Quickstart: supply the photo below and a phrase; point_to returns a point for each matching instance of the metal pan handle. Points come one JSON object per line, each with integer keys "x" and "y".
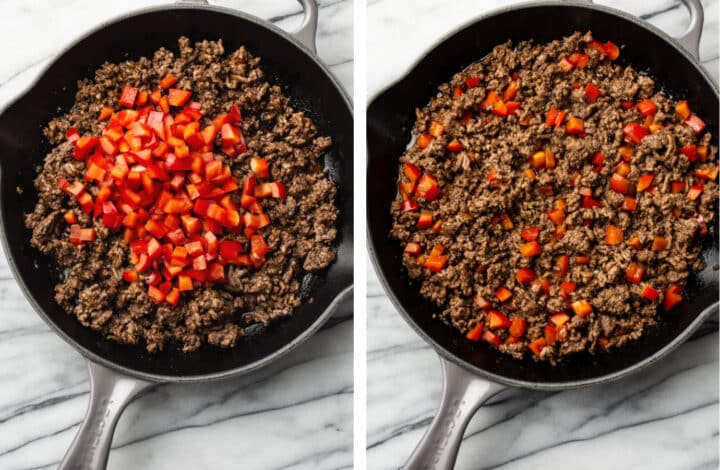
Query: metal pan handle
{"x": 110, "y": 393}
{"x": 305, "y": 33}
{"x": 463, "y": 393}
{"x": 690, "y": 39}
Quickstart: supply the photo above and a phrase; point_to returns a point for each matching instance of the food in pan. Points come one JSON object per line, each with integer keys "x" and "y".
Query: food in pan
{"x": 555, "y": 200}
{"x": 184, "y": 199}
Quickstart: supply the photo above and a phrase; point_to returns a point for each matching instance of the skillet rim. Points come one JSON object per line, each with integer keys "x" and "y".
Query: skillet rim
{"x": 87, "y": 354}
{"x": 439, "y": 349}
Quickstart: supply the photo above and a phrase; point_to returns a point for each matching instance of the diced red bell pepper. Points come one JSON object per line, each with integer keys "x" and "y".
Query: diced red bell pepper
{"x": 525, "y": 275}
{"x": 613, "y": 235}
{"x": 575, "y": 126}
{"x": 660, "y": 243}
{"x": 588, "y": 202}
{"x": 413, "y": 248}
{"x": 556, "y": 216}
{"x": 472, "y": 82}
{"x": 530, "y": 233}
{"x": 672, "y": 297}
{"x": 168, "y": 81}
{"x": 694, "y": 192}
{"x": 481, "y": 302}
{"x": 517, "y": 327}
{"x": 425, "y": 220}
{"x": 530, "y": 249}
{"x": 559, "y": 319}
{"x": 455, "y": 146}
{"x": 84, "y": 146}
{"x": 646, "y": 107}
{"x": 619, "y": 184}
{"x": 496, "y": 319}
{"x": 683, "y": 109}
{"x": 612, "y": 50}
{"x": 490, "y": 101}
{"x": 503, "y": 293}
{"x": 581, "y": 308}
{"x": 649, "y": 293}
{"x": 706, "y": 173}
{"x": 475, "y": 333}
{"x": 629, "y": 204}
{"x": 695, "y": 123}
{"x": 436, "y": 129}
{"x": 561, "y": 266}
{"x": 424, "y": 140}
{"x": 634, "y": 273}
{"x": 411, "y": 171}
{"x": 491, "y": 338}
{"x": 592, "y": 93}
{"x": 178, "y": 97}
{"x": 428, "y": 187}
{"x": 565, "y": 65}
{"x": 127, "y": 97}
{"x": 644, "y": 182}
{"x": 157, "y": 295}
{"x": 435, "y": 263}
{"x": 550, "y": 335}
{"x": 537, "y": 346}
{"x": 634, "y": 133}
{"x": 79, "y": 235}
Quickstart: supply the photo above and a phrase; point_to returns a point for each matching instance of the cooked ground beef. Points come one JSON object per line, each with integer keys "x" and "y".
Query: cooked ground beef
{"x": 300, "y": 236}
{"x": 489, "y": 194}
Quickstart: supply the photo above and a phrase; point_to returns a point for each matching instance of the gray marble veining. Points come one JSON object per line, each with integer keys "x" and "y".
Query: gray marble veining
{"x": 296, "y": 414}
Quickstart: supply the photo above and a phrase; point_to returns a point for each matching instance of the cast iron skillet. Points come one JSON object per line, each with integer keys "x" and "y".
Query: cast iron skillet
{"x": 119, "y": 372}
{"x": 474, "y": 372}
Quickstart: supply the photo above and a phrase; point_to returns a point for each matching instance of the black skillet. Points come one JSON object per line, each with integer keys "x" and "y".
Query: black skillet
{"x": 119, "y": 373}
{"x": 474, "y": 372}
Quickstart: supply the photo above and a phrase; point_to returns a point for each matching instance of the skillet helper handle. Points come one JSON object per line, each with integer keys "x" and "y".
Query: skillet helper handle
{"x": 110, "y": 393}
{"x": 690, "y": 39}
{"x": 463, "y": 393}
{"x": 305, "y": 33}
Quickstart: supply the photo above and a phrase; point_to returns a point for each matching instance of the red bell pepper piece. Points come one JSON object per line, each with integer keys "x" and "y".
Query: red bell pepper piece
{"x": 634, "y": 133}
{"x": 646, "y": 107}
{"x": 525, "y": 276}
{"x": 428, "y": 187}
{"x": 592, "y": 93}
{"x": 177, "y": 97}
{"x": 695, "y": 123}
{"x": 127, "y": 96}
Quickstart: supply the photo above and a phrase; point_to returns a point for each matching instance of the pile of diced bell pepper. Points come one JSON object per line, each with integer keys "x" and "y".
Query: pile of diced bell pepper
{"x": 159, "y": 180}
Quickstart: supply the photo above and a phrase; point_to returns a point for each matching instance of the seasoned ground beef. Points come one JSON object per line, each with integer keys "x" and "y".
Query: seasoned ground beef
{"x": 300, "y": 236}
{"x": 513, "y": 169}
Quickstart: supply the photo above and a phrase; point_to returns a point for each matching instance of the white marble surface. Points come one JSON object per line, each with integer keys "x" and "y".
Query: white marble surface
{"x": 665, "y": 417}
{"x": 297, "y": 414}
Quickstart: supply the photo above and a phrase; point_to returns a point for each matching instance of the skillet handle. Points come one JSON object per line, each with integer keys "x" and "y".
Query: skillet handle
{"x": 463, "y": 393}
{"x": 110, "y": 393}
{"x": 305, "y": 33}
{"x": 690, "y": 39}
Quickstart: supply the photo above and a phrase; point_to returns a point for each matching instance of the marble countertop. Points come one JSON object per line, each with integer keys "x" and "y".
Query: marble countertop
{"x": 665, "y": 417}
{"x": 296, "y": 414}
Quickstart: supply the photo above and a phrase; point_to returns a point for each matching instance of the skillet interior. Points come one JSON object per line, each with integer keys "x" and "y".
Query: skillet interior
{"x": 23, "y": 147}
{"x": 390, "y": 120}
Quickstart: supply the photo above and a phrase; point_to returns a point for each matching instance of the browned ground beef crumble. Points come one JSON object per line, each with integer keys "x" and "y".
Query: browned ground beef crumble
{"x": 484, "y": 256}
{"x": 300, "y": 236}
